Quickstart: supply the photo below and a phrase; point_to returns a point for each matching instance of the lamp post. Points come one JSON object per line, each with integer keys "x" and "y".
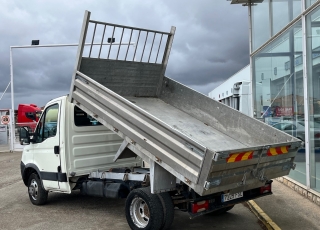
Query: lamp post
{"x": 12, "y": 124}
{"x": 35, "y": 44}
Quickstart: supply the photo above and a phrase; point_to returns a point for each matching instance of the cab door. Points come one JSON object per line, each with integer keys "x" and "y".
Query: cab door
{"x": 46, "y": 147}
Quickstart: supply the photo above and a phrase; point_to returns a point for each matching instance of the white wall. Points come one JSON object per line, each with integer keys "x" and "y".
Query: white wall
{"x": 225, "y": 89}
{"x": 225, "y": 92}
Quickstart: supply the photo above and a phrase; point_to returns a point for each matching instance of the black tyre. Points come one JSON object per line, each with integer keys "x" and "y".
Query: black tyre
{"x": 37, "y": 195}
{"x": 144, "y": 210}
{"x": 168, "y": 210}
{"x": 221, "y": 211}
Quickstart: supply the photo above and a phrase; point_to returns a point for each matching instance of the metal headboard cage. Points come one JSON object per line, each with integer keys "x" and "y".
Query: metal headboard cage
{"x": 119, "y": 42}
{"x": 131, "y": 55}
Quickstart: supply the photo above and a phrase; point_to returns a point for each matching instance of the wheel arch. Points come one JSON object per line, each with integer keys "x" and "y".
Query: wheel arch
{"x": 28, "y": 170}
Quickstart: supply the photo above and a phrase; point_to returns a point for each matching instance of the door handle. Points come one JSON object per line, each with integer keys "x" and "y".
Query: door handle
{"x": 56, "y": 149}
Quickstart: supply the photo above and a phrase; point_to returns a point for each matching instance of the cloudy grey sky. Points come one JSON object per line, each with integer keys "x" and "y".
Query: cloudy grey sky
{"x": 210, "y": 44}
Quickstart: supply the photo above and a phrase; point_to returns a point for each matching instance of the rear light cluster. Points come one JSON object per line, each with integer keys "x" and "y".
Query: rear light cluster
{"x": 200, "y": 206}
{"x": 203, "y": 205}
{"x": 265, "y": 189}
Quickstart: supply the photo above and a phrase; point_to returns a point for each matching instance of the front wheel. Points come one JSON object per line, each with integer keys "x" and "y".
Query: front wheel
{"x": 144, "y": 210}
{"x": 37, "y": 195}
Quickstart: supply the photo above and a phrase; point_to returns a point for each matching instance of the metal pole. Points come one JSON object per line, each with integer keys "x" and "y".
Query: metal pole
{"x": 271, "y": 18}
{"x": 134, "y": 46}
{"x": 166, "y": 58}
{"x": 5, "y": 91}
{"x": 306, "y": 72}
{"x": 252, "y": 86}
{"x": 307, "y": 88}
{"x": 12, "y": 125}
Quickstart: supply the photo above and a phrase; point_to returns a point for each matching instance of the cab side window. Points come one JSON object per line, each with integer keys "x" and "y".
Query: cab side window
{"x": 47, "y": 125}
{"x": 81, "y": 118}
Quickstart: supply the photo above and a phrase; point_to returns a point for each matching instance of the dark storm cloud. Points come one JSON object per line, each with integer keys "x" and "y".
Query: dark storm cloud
{"x": 210, "y": 44}
{"x": 55, "y": 72}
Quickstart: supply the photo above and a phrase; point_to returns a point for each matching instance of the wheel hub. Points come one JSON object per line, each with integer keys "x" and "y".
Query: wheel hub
{"x": 33, "y": 189}
{"x": 139, "y": 212}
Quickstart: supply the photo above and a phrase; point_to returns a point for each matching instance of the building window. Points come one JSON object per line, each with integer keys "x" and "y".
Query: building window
{"x": 309, "y": 3}
{"x": 260, "y": 24}
{"x": 313, "y": 69}
{"x": 278, "y": 88}
{"x": 270, "y": 16}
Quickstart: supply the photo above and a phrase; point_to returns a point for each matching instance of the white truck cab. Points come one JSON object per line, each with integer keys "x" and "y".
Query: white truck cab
{"x": 68, "y": 143}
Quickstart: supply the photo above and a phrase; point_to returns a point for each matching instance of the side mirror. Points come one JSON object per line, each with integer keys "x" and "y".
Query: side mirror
{"x": 24, "y": 136}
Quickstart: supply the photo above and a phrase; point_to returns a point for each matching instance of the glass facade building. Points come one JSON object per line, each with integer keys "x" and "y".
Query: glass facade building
{"x": 285, "y": 74}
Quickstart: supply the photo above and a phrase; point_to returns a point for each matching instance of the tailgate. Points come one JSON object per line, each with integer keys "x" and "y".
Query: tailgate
{"x": 244, "y": 169}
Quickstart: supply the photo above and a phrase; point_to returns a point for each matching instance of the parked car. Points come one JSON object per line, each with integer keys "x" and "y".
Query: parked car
{"x": 297, "y": 129}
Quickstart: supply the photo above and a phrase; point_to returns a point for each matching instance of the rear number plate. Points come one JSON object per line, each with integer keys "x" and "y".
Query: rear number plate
{"x": 228, "y": 197}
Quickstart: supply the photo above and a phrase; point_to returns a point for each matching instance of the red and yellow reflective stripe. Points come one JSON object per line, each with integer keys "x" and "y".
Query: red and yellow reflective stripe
{"x": 234, "y": 157}
{"x": 278, "y": 150}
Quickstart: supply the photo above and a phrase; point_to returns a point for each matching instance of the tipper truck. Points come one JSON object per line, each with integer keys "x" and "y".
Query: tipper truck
{"x": 126, "y": 130}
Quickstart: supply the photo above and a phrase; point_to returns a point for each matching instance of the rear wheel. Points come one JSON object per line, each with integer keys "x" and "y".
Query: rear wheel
{"x": 37, "y": 195}
{"x": 168, "y": 210}
{"x": 144, "y": 210}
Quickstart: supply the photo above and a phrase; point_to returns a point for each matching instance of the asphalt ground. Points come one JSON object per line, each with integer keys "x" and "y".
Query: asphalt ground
{"x": 4, "y": 148}
{"x": 290, "y": 210}
{"x": 74, "y": 211}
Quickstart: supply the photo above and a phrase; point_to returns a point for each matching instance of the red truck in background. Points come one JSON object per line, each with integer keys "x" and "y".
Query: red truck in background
{"x": 28, "y": 115}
